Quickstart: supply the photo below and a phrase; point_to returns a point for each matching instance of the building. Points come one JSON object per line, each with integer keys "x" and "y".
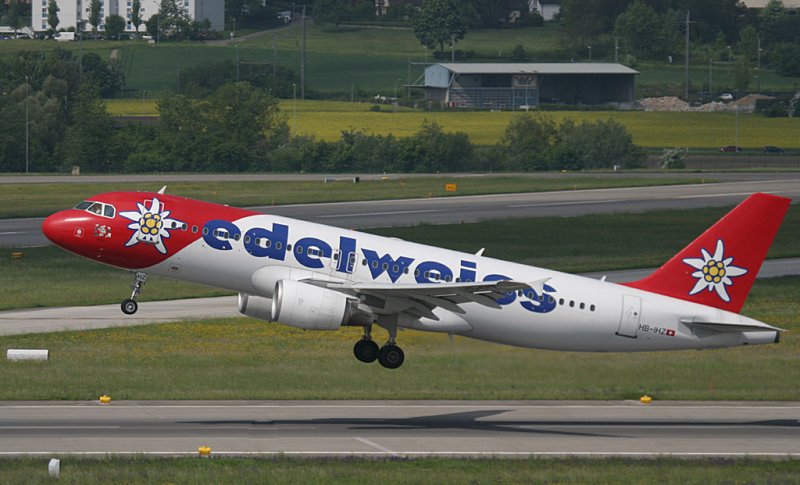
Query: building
{"x": 548, "y": 9}
{"x": 515, "y": 85}
{"x": 75, "y": 12}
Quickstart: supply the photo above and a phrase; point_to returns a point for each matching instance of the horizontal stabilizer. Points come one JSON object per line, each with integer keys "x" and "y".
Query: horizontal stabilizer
{"x": 730, "y": 327}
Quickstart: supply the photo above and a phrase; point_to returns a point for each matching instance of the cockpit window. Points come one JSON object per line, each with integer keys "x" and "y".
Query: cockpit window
{"x": 96, "y": 208}
{"x": 99, "y": 208}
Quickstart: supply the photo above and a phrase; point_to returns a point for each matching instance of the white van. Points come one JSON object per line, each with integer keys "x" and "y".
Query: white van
{"x": 65, "y": 36}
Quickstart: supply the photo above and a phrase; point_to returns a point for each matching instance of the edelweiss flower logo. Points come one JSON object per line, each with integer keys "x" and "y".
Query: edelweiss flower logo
{"x": 150, "y": 225}
{"x": 715, "y": 272}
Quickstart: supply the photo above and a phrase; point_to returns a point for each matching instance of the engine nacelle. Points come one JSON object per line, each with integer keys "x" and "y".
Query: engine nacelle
{"x": 309, "y": 307}
{"x": 255, "y": 306}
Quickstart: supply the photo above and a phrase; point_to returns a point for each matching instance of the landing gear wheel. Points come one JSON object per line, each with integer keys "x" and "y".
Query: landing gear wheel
{"x": 391, "y": 356}
{"x": 129, "y": 306}
{"x": 366, "y": 350}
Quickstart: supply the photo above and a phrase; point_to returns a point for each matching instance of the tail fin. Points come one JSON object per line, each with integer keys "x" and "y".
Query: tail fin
{"x": 718, "y": 268}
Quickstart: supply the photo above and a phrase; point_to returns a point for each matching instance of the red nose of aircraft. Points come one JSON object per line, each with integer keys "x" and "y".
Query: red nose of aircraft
{"x": 56, "y": 228}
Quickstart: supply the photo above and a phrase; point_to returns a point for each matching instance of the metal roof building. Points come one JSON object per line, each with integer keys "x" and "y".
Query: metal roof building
{"x": 515, "y": 85}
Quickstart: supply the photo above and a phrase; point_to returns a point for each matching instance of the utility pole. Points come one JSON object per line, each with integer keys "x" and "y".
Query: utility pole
{"x": 710, "y": 81}
{"x": 237, "y": 63}
{"x": 616, "y": 49}
{"x": 758, "y": 65}
{"x": 303, "y": 55}
{"x": 27, "y": 91}
{"x": 686, "y": 62}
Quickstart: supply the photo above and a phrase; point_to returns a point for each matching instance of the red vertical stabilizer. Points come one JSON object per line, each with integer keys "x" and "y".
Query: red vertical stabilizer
{"x": 719, "y": 267}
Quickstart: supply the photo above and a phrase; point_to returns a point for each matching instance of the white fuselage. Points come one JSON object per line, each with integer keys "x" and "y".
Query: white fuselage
{"x": 572, "y": 313}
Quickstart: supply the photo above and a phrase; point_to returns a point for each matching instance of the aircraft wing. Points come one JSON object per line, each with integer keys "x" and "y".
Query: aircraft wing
{"x": 419, "y": 300}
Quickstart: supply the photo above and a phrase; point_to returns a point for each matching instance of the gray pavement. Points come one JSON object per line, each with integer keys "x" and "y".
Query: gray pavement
{"x": 42, "y": 320}
{"x": 444, "y": 210}
{"x": 404, "y": 428}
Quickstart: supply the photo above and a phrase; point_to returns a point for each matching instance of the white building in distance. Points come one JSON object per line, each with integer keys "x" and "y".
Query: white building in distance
{"x": 74, "y": 11}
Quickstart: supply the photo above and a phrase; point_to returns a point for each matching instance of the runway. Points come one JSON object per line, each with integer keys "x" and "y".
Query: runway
{"x": 444, "y": 210}
{"x": 41, "y": 320}
{"x": 404, "y": 428}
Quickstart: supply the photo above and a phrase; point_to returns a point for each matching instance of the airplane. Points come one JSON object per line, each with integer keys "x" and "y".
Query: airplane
{"x": 318, "y": 277}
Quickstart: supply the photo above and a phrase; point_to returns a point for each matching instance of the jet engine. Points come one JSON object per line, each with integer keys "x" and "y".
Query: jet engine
{"x": 255, "y": 306}
{"x": 310, "y": 307}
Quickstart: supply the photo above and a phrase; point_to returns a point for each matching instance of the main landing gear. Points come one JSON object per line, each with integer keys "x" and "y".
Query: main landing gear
{"x": 129, "y": 305}
{"x": 389, "y": 356}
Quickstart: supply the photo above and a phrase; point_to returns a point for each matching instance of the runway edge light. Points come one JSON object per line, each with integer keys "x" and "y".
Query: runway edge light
{"x": 204, "y": 451}
{"x": 645, "y": 399}
{"x": 105, "y": 399}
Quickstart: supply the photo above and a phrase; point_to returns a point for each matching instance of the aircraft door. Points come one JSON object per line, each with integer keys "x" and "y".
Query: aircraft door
{"x": 343, "y": 263}
{"x": 631, "y": 314}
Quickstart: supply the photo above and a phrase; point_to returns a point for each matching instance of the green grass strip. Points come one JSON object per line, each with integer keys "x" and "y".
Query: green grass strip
{"x": 380, "y": 471}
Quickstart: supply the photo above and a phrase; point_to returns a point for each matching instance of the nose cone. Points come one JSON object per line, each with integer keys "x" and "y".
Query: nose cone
{"x": 56, "y": 229}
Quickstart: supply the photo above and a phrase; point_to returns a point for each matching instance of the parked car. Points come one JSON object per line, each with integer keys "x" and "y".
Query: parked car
{"x": 285, "y": 16}
{"x": 773, "y": 149}
{"x": 726, "y": 97}
{"x": 65, "y": 37}
{"x": 731, "y": 149}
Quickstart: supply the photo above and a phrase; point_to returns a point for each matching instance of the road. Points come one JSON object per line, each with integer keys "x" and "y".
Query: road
{"x": 403, "y": 428}
{"x": 359, "y": 215}
{"x": 41, "y": 320}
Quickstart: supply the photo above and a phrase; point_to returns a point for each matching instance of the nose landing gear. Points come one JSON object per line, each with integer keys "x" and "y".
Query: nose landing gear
{"x": 129, "y": 306}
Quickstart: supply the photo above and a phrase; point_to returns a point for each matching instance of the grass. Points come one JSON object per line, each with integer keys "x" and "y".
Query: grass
{"x": 19, "y": 200}
{"x": 368, "y": 60}
{"x": 249, "y": 359}
{"x": 326, "y": 120}
{"x": 656, "y": 237}
{"x": 378, "y": 471}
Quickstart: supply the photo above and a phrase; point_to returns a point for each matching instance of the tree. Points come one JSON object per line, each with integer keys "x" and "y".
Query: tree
{"x": 13, "y": 18}
{"x": 174, "y": 19}
{"x": 52, "y": 14}
{"x": 115, "y": 25}
{"x": 440, "y": 22}
{"x": 94, "y": 14}
{"x": 743, "y": 76}
{"x": 786, "y": 59}
{"x": 642, "y": 30}
{"x": 330, "y": 11}
{"x": 136, "y": 18}
{"x": 748, "y": 42}
{"x": 527, "y": 143}
{"x": 153, "y": 26}
{"x": 518, "y": 54}
{"x": 87, "y": 138}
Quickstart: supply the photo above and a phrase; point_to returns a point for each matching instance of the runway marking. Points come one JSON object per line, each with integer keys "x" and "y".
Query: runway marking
{"x": 333, "y": 216}
{"x": 701, "y": 196}
{"x": 60, "y": 427}
{"x": 411, "y": 454}
{"x": 12, "y": 232}
{"x": 372, "y": 444}
{"x": 566, "y": 203}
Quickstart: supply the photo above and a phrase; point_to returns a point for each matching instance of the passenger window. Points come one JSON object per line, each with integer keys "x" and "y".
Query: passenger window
{"x": 561, "y": 302}
{"x": 109, "y": 211}
{"x": 583, "y": 305}
{"x": 299, "y": 249}
{"x": 247, "y": 239}
{"x": 194, "y": 229}
{"x": 205, "y": 231}
{"x": 385, "y": 266}
{"x": 278, "y": 245}
{"x": 591, "y": 308}
{"x": 375, "y": 264}
{"x": 571, "y": 303}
